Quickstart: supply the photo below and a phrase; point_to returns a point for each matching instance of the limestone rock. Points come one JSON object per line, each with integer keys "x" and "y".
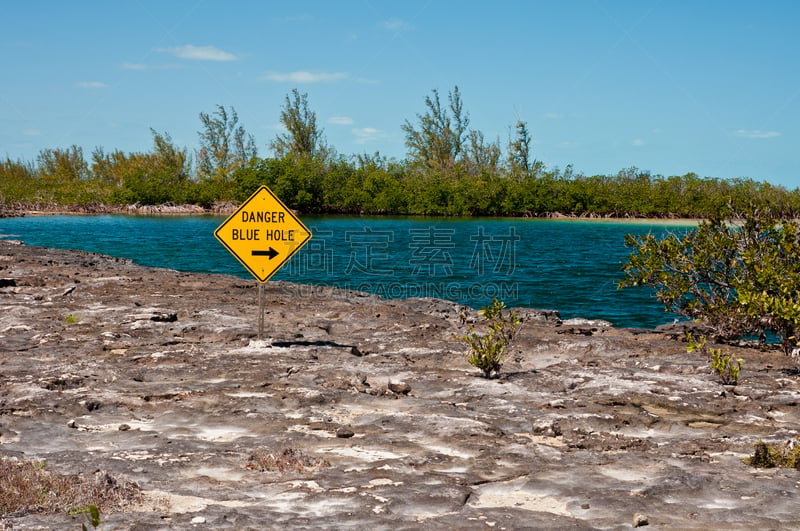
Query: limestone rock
{"x": 344, "y": 432}
{"x": 163, "y": 383}
{"x": 400, "y": 388}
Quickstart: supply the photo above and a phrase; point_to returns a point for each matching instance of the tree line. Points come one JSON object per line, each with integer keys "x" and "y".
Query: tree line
{"x": 449, "y": 169}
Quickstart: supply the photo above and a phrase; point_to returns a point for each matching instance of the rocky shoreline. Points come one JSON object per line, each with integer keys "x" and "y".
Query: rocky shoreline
{"x": 357, "y": 412}
{"x": 19, "y": 210}
{"x": 226, "y": 208}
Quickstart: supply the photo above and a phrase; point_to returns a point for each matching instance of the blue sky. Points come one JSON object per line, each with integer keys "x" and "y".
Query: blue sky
{"x": 711, "y": 87}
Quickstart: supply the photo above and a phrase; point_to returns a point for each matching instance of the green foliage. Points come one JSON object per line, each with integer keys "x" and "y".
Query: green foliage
{"x": 93, "y": 515}
{"x": 481, "y": 156}
{"x": 448, "y": 170}
{"x": 303, "y": 138}
{"x": 694, "y": 274}
{"x": 225, "y": 146}
{"x": 62, "y": 164}
{"x": 17, "y": 180}
{"x": 771, "y": 297}
{"x": 737, "y": 276}
{"x": 64, "y": 178}
{"x": 725, "y": 365}
{"x": 786, "y": 455}
{"x": 519, "y": 150}
{"x": 71, "y": 318}
{"x": 161, "y": 176}
{"x": 487, "y": 349}
{"x": 296, "y": 180}
{"x": 437, "y": 142}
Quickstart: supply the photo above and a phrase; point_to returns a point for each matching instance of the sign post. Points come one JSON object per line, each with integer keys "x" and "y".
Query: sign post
{"x": 263, "y": 234}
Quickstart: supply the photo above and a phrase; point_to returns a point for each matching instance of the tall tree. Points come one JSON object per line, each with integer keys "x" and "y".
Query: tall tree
{"x": 17, "y": 179}
{"x": 173, "y": 163}
{"x": 64, "y": 177}
{"x": 438, "y": 143}
{"x": 156, "y": 177}
{"x": 480, "y": 155}
{"x": 302, "y": 137}
{"x": 519, "y": 150}
{"x": 460, "y": 122}
{"x": 62, "y": 165}
{"x": 224, "y": 145}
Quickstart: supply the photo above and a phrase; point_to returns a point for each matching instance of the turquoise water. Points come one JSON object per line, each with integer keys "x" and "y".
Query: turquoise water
{"x": 572, "y": 266}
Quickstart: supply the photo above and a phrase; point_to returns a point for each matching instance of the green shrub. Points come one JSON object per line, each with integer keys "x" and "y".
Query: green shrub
{"x": 786, "y": 455}
{"x": 487, "y": 350}
{"x": 737, "y": 276}
{"x": 724, "y": 365}
{"x": 92, "y": 515}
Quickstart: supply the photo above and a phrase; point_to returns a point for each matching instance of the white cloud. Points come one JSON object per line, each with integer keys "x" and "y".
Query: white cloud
{"x": 340, "y": 120}
{"x": 91, "y": 84}
{"x": 302, "y": 76}
{"x": 277, "y": 127}
{"x": 297, "y": 18}
{"x": 638, "y": 142}
{"x": 397, "y": 25}
{"x": 756, "y": 133}
{"x": 552, "y": 115}
{"x": 199, "y": 53}
{"x": 367, "y": 134}
{"x": 32, "y": 132}
{"x": 142, "y": 66}
{"x": 133, "y": 66}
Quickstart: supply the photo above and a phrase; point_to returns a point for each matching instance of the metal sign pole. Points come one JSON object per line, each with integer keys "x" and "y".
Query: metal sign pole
{"x": 261, "y": 307}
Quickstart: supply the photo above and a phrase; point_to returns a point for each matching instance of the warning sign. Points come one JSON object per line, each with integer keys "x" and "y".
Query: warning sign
{"x": 263, "y": 234}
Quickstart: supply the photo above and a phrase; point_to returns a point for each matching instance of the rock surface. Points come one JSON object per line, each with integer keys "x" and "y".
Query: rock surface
{"x": 370, "y": 410}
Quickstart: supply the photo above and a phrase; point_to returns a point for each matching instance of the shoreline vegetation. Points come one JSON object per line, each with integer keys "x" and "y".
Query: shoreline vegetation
{"x": 449, "y": 170}
{"x": 227, "y": 208}
{"x": 313, "y": 187}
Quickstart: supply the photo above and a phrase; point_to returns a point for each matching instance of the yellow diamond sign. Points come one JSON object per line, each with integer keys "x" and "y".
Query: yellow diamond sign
{"x": 263, "y": 234}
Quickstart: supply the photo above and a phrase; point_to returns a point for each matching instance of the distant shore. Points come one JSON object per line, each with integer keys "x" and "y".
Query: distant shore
{"x": 226, "y": 208}
{"x": 166, "y": 208}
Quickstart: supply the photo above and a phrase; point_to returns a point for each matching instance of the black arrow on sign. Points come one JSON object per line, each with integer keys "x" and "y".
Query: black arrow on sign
{"x": 272, "y": 253}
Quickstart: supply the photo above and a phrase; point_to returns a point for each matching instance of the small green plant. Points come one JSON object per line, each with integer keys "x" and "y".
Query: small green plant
{"x": 724, "y": 365}
{"x": 786, "y": 455}
{"x": 93, "y": 515}
{"x": 487, "y": 350}
{"x": 71, "y": 318}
